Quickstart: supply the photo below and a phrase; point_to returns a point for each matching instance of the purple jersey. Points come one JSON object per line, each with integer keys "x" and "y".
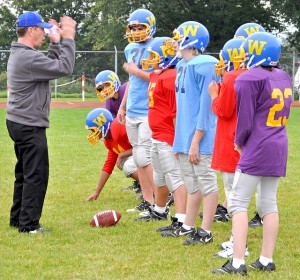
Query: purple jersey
{"x": 112, "y": 104}
{"x": 263, "y": 107}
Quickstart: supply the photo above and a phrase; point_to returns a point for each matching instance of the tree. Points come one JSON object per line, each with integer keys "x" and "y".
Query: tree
{"x": 221, "y": 18}
{"x": 290, "y": 13}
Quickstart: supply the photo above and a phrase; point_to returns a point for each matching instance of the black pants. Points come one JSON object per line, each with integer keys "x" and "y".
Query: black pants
{"x": 31, "y": 174}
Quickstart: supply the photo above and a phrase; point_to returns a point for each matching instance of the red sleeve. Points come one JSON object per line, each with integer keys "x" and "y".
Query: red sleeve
{"x": 110, "y": 162}
{"x": 224, "y": 105}
{"x": 169, "y": 87}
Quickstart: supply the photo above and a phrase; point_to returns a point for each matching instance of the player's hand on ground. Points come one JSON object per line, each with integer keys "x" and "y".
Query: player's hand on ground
{"x": 92, "y": 197}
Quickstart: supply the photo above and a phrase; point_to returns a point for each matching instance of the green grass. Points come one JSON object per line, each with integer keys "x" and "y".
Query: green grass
{"x": 130, "y": 250}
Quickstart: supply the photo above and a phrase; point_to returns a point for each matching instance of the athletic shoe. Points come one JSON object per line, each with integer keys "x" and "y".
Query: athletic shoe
{"x": 135, "y": 185}
{"x": 35, "y": 231}
{"x": 170, "y": 200}
{"x": 228, "y": 253}
{"x": 199, "y": 236}
{"x": 153, "y": 216}
{"x": 179, "y": 231}
{"x": 221, "y": 215}
{"x": 256, "y": 221}
{"x": 226, "y": 244}
{"x": 257, "y": 265}
{"x": 227, "y": 268}
{"x": 144, "y": 205}
{"x": 174, "y": 224}
{"x": 39, "y": 230}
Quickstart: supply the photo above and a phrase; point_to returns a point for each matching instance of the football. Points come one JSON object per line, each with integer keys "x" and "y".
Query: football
{"x": 105, "y": 218}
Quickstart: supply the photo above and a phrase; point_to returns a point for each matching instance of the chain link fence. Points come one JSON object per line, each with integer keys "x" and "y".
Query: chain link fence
{"x": 90, "y": 63}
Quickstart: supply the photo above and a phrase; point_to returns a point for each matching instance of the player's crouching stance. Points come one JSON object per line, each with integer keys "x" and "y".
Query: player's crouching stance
{"x": 264, "y": 97}
{"x": 161, "y": 118}
{"x": 101, "y": 124}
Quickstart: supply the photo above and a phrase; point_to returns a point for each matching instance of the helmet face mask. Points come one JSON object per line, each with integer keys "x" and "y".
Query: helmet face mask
{"x": 231, "y": 56}
{"x": 105, "y": 90}
{"x": 152, "y": 60}
{"x": 220, "y": 67}
{"x": 94, "y": 136}
{"x": 98, "y": 121}
{"x": 137, "y": 33}
{"x": 141, "y": 26}
{"x": 107, "y": 83}
{"x": 161, "y": 54}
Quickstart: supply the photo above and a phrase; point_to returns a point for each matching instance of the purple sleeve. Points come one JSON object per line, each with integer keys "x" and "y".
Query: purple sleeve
{"x": 245, "y": 109}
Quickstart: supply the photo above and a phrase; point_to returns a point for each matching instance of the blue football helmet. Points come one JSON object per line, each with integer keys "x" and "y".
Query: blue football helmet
{"x": 161, "y": 53}
{"x": 230, "y": 52}
{"x": 107, "y": 83}
{"x": 191, "y": 34}
{"x": 98, "y": 121}
{"x": 140, "y": 17}
{"x": 247, "y": 29}
{"x": 262, "y": 48}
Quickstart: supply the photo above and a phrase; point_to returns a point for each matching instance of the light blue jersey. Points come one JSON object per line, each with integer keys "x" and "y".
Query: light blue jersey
{"x": 137, "y": 101}
{"x": 194, "y": 104}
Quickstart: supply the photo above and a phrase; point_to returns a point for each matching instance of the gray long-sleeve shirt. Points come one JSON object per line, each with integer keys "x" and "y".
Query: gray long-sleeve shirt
{"x": 29, "y": 73}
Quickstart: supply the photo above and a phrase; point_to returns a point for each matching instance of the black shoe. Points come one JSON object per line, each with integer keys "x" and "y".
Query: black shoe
{"x": 179, "y": 231}
{"x": 153, "y": 216}
{"x": 14, "y": 224}
{"x": 227, "y": 268}
{"x": 257, "y": 265}
{"x": 170, "y": 200}
{"x": 173, "y": 225}
{"x": 135, "y": 186}
{"x": 221, "y": 215}
{"x": 200, "y": 236}
{"x": 256, "y": 221}
{"x": 35, "y": 231}
{"x": 144, "y": 205}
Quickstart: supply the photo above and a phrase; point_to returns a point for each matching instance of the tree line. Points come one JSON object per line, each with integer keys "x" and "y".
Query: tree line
{"x": 101, "y": 23}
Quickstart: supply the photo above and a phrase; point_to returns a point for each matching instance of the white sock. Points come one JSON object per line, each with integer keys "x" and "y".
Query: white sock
{"x": 208, "y": 231}
{"x": 264, "y": 261}
{"x": 236, "y": 263}
{"x": 180, "y": 217}
{"x": 160, "y": 210}
{"x": 187, "y": 227}
{"x": 231, "y": 238}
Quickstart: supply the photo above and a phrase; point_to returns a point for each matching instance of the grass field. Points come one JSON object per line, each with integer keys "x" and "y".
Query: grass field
{"x": 130, "y": 250}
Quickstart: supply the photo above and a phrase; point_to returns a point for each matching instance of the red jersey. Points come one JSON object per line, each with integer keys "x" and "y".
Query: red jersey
{"x": 116, "y": 144}
{"x": 162, "y": 105}
{"x": 225, "y": 158}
